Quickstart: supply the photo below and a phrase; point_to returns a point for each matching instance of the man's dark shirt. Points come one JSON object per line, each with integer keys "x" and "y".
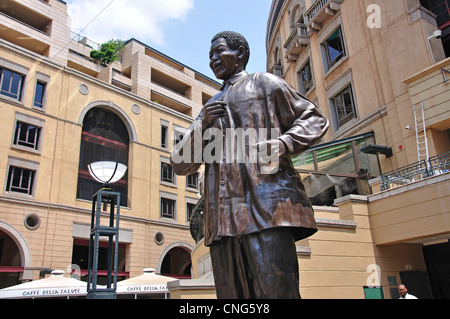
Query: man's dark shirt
{"x": 239, "y": 198}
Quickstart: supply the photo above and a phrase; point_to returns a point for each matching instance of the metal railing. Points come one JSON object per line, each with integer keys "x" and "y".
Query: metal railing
{"x": 277, "y": 70}
{"x": 47, "y": 27}
{"x": 439, "y": 164}
{"x": 434, "y": 166}
{"x": 300, "y": 30}
{"x": 316, "y": 7}
{"x": 84, "y": 41}
{"x": 444, "y": 75}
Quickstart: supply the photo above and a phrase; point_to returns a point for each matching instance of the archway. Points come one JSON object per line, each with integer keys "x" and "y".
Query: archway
{"x": 15, "y": 257}
{"x": 175, "y": 261}
{"x": 105, "y": 137}
{"x": 111, "y": 107}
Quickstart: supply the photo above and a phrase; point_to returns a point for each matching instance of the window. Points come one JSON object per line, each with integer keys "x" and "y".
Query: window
{"x": 32, "y": 221}
{"x": 192, "y": 181}
{"x": 441, "y": 8}
{"x": 189, "y": 210}
{"x": 277, "y": 67}
{"x": 104, "y": 138}
{"x": 334, "y": 47}
{"x": 20, "y": 180}
{"x": 305, "y": 78}
{"x": 21, "y": 177}
{"x": 27, "y": 135}
{"x": 167, "y": 208}
{"x": 11, "y": 84}
{"x": 178, "y": 134}
{"x": 167, "y": 174}
{"x": 164, "y": 139}
{"x": 344, "y": 106}
{"x": 40, "y": 90}
{"x": 39, "y": 94}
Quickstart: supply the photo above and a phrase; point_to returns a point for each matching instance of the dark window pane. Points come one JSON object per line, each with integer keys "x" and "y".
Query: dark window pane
{"x": 104, "y": 138}
{"x": 167, "y": 208}
{"x": 11, "y": 84}
{"x": 335, "y": 48}
{"x": 20, "y": 180}
{"x": 39, "y": 95}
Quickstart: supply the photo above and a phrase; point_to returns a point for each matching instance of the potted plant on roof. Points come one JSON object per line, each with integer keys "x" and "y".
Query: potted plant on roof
{"x": 108, "y": 52}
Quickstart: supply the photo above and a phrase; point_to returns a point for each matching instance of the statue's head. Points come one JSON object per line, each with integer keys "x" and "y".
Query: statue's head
{"x": 229, "y": 54}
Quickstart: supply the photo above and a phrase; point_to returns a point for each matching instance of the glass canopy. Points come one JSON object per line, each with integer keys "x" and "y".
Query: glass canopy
{"x": 337, "y": 169}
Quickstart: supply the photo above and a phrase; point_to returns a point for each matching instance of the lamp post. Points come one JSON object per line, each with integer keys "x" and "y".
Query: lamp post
{"x": 106, "y": 173}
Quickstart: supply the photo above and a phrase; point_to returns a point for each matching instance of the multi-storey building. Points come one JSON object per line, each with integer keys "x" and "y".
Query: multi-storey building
{"x": 61, "y": 111}
{"x": 379, "y": 71}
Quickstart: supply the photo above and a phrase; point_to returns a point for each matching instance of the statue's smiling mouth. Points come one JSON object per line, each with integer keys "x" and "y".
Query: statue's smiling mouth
{"x": 217, "y": 67}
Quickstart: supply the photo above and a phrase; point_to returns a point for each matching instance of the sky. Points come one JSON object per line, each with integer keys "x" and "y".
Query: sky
{"x": 181, "y": 29}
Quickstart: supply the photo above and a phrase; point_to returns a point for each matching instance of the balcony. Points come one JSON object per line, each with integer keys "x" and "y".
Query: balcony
{"x": 297, "y": 42}
{"x": 278, "y": 70}
{"x": 84, "y": 41}
{"x": 26, "y": 16}
{"x": 163, "y": 96}
{"x": 435, "y": 166}
{"x": 25, "y": 28}
{"x": 415, "y": 207}
{"x": 319, "y": 12}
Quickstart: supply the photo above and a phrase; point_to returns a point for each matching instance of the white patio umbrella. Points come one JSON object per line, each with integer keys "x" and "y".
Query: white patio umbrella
{"x": 54, "y": 286}
{"x": 148, "y": 283}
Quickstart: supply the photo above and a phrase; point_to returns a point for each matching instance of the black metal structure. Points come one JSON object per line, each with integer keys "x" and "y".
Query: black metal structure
{"x": 111, "y": 200}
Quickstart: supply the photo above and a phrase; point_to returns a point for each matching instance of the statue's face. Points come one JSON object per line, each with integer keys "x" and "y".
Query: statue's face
{"x": 224, "y": 62}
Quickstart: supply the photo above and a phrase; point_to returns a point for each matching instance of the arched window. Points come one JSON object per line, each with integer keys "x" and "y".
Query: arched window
{"x": 296, "y": 16}
{"x": 104, "y": 138}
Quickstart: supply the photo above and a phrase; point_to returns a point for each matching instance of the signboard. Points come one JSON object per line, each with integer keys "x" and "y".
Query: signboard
{"x": 142, "y": 289}
{"x": 43, "y": 292}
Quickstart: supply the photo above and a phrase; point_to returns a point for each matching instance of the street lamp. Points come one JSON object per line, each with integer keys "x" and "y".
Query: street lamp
{"x": 107, "y": 173}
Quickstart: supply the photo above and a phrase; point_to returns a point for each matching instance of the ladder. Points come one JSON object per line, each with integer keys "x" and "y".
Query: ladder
{"x": 421, "y": 133}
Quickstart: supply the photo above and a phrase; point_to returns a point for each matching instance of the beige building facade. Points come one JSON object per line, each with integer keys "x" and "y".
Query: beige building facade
{"x": 375, "y": 69}
{"x": 61, "y": 111}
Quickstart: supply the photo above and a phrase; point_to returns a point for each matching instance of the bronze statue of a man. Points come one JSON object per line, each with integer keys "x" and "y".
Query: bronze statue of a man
{"x": 256, "y": 207}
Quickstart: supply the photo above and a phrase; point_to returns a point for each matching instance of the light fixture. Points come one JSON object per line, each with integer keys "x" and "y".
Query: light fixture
{"x": 377, "y": 149}
{"x": 107, "y": 172}
{"x": 436, "y": 34}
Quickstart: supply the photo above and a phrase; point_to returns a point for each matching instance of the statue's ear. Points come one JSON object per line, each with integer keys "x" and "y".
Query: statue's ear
{"x": 241, "y": 53}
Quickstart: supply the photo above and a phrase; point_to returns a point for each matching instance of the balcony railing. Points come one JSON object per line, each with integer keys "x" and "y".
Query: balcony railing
{"x": 45, "y": 30}
{"x": 321, "y": 9}
{"x": 436, "y": 165}
{"x": 84, "y": 41}
{"x": 277, "y": 70}
{"x": 298, "y": 40}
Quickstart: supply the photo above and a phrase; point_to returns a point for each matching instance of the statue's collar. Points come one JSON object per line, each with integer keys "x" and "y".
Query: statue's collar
{"x": 234, "y": 79}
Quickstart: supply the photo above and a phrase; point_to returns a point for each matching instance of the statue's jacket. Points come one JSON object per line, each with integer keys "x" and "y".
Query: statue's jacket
{"x": 242, "y": 194}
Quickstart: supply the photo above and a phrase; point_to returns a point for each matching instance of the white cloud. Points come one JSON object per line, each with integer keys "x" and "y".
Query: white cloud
{"x": 125, "y": 19}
